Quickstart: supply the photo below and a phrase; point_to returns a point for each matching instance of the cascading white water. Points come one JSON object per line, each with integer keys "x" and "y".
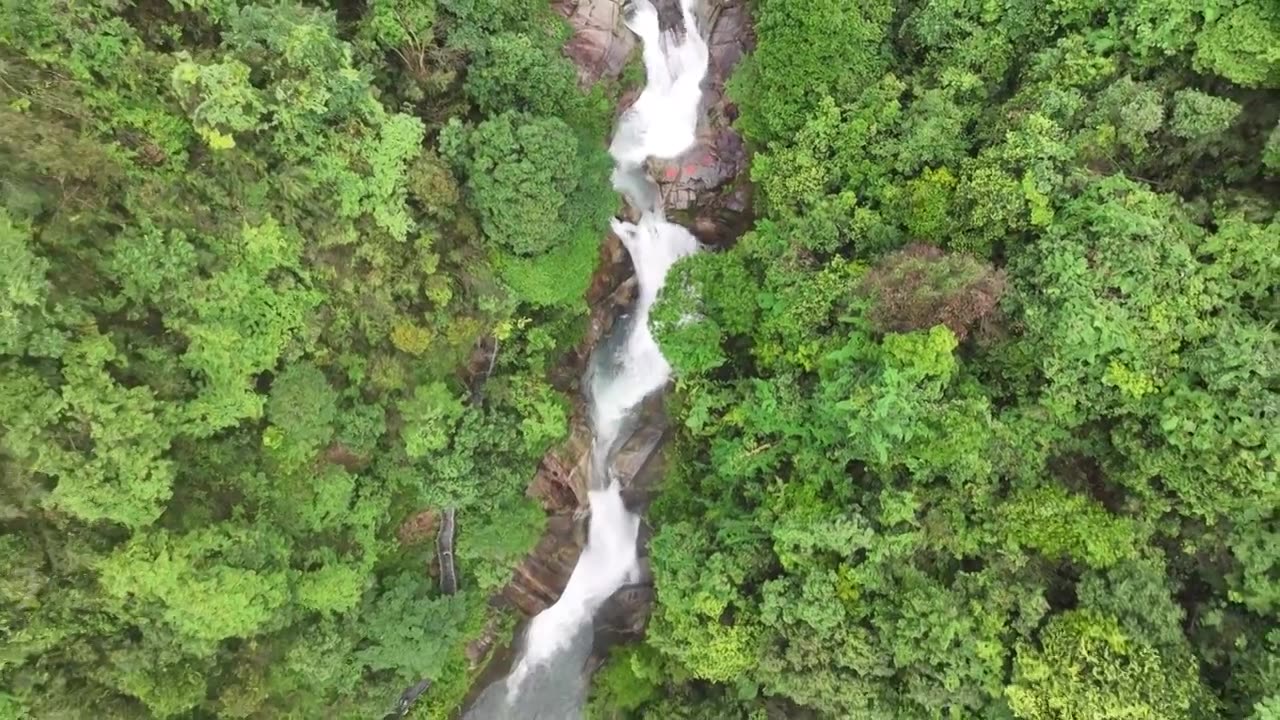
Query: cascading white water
{"x": 662, "y": 123}
{"x": 654, "y": 246}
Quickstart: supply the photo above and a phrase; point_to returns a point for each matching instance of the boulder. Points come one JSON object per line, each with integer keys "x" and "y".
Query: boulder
{"x": 600, "y": 43}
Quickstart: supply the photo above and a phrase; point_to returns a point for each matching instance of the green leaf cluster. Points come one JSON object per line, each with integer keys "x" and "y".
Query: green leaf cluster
{"x": 248, "y": 253}
{"x": 980, "y": 418}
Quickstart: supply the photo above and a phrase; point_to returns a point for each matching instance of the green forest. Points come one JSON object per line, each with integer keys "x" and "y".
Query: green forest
{"x": 980, "y": 419}
{"x": 272, "y": 281}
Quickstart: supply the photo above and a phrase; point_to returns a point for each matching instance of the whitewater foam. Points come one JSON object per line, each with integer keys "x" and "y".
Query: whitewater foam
{"x": 663, "y": 121}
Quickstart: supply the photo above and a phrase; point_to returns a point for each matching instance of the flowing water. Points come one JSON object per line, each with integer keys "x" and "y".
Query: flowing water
{"x": 548, "y": 681}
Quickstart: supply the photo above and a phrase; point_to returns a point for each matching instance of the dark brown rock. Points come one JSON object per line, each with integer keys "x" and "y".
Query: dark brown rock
{"x": 544, "y": 573}
{"x": 627, "y": 611}
{"x": 612, "y": 286}
{"x": 479, "y": 650}
{"x": 540, "y": 579}
{"x": 709, "y": 180}
{"x": 553, "y": 486}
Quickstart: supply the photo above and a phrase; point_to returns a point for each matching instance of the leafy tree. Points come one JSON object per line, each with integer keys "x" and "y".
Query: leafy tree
{"x": 1197, "y": 115}
{"x": 302, "y": 409}
{"x": 24, "y": 282}
{"x": 430, "y": 417}
{"x": 407, "y": 26}
{"x": 240, "y": 283}
{"x": 207, "y": 585}
{"x": 1271, "y": 154}
{"x": 223, "y": 100}
{"x": 515, "y": 73}
{"x": 104, "y": 443}
{"x": 976, "y": 420}
{"x": 518, "y": 177}
{"x": 1240, "y": 44}
{"x": 398, "y": 635}
{"x": 822, "y": 48}
{"x": 239, "y": 324}
{"x": 1086, "y": 666}
{"x": 1062, "y": 525}
{"x": 920, "y": 286}
{"x": 927, "y": 204}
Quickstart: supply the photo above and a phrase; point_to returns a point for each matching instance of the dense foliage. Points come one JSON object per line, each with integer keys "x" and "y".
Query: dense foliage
{"x": 255, "y": 261}
{"x": 981, "y": 419}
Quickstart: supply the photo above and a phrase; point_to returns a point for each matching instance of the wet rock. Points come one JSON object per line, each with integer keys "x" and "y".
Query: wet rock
{"x": 582, "y": 525}
{"x": 638, "y": 450}
{"x": 717, "y": 158}
{"x": 479, "y": 650}
{"x": 627, "y": 611}
{"x": 600, "y": 42}
{"x": 644, "y": 572}
{"x": 558, "y": 484}
{"x": 541, "y": 577}
{"x": 550, "y": 691}
{"x": 709, "y": 180}
{"x": 612, "y": 287}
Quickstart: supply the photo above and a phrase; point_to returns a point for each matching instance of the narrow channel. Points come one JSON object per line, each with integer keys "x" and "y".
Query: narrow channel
{"x": 548, "y": 680}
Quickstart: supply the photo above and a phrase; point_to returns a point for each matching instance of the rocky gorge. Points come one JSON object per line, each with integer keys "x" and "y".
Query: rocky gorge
{"x": 707, "y": 189}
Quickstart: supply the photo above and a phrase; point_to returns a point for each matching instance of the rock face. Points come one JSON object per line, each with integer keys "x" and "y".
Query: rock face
{"x": 542, "y": 576}
{"x": 709, "y": 180}
{"x": 600, "y": 43}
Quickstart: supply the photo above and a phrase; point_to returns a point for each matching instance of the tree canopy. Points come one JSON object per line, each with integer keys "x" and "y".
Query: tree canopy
{"x": 250, "y": 253}
{"x": 980, "y": 419}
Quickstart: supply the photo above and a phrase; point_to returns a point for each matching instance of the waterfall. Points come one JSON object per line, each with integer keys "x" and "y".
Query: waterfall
{"x": 662, "y": 123}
